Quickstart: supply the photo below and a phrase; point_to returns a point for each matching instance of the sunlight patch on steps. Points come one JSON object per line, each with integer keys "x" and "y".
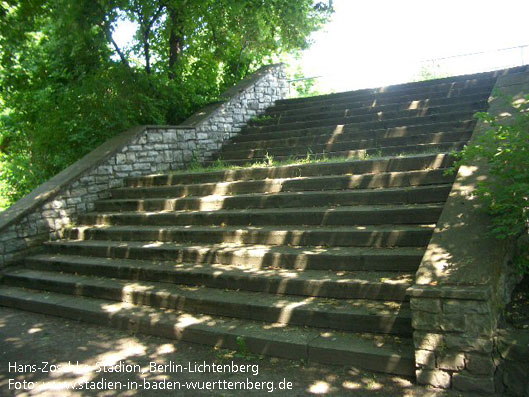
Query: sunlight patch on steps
{"x": 338, "y": 130}
{"x": 288, "y": 308}
{"x": 319, "y": 387}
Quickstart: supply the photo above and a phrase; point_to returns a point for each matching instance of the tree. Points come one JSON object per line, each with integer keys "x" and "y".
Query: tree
{"x": 66, "y": 83}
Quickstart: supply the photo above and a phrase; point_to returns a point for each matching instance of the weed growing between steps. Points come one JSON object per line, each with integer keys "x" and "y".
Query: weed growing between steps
{"x": 261, "y": 118}
{"x": 310, "y": 158}
{"x": 242, "y": 352}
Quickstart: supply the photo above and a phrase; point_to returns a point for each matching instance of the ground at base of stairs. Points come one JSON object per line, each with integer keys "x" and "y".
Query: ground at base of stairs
{"x": 29, "y": 338}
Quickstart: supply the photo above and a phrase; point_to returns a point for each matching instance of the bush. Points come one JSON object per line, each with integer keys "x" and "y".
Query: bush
{"x": 505, "y": 148}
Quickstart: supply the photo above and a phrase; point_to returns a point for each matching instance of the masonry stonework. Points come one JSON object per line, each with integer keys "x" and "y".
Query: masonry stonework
{"x": 512, "y": 358}
{"x": 43, "y": 214}
{"x": 465, "y": 278}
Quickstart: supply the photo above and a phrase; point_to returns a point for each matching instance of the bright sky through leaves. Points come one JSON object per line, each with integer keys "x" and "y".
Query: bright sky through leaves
{"x": 375, "y": 43}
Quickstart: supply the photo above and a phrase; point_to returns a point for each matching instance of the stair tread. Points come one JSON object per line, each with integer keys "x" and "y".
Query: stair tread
{"x": 276, "y": 183}
{"x": 254, "y": 249}
{"x": 333, "y": 139}
{"x": 346, "y": 121}
{"x": 255, "y": 255}
{"x": 208, "y": 329}
{"x": 370, "y": 235}
{"x": 381, "y": 115}
{"x": 397, "y": 150}
{"x": 374, "y": 99}
{"x": 278, "y": 229}
{"x": 380, "y": 132}
{"x": 316, "y": 169}
{"x": 378, "y": 285}
{"x": 406, "y": 102}
{"x": 240, "y": 271}
{"x": 473, "y": 81}
{"x": 222, "y": 197}
{"x": 329, "y": 215}
{"x": 301, "y": 210}
{"x": 202, "y": 293}
{"x": 359, "y": 144}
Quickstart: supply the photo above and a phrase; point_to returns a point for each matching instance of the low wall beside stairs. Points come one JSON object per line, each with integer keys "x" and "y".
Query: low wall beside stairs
{"x": 512, "y": 359}
{"x": 465, "y": 277}
{"x": 142, "y": 150}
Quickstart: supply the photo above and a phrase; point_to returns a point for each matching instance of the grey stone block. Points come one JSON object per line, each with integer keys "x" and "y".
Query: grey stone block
{"x": 451, "y": 361}
{"x": 153, "y": 137}
{"x": 467, "y": 383}
{"x": 469, "y": 343}
{"x": 478, "y": 364}
{"x": 428, "y": 305}
{"x": 425, "y": 358}
{"x": 433, "y": 378}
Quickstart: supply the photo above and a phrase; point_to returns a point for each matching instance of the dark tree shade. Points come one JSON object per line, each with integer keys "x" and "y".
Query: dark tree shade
{"x": 66, "y": 85}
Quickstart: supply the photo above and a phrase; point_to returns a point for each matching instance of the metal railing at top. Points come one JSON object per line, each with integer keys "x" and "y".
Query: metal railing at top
{"x": 468, "y": 63}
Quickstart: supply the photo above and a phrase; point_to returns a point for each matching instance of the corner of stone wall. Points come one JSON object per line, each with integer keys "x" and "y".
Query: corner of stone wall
{"x": 452, "y": 333}
{"x": 511, "y": 350}
{"x": 248, "y": 99}
{"x": 464, "y": 279}
{"x": 50, "y": 208}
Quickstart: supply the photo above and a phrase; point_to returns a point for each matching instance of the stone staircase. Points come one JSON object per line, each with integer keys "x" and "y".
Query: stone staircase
{"x": 305, "y": 261}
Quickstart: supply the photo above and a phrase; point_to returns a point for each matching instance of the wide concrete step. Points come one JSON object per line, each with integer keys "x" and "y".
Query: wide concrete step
{"x": 336, "y": 236}
{"x": 257, "y": 256}
{"x": 351, "y": 116}
{"x": 300, "y": 184}
{"x": 343, "y": 145}
{"x": 383, "y": 353}
{"x": 346, "y": 107}
{"x": 376, "y": 152}
{"x": 308, "y": 283}
{"x": 331, "y": 198}
{"x": 353, "y": 167}
{"x": 358, "y": 315}
{"x": 315, "y": 216}
{"x": 330, "y": 142}
{"x": 361, "y": 131}
{"x": 419, "y": 90}
{"x": 366, "y": 122}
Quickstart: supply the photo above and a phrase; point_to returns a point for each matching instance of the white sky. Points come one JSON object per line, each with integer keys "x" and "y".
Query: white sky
{"x": 378, "y": 42}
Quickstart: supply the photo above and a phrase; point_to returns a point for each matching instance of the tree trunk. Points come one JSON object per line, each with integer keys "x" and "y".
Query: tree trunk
{"x": 175, "y": 41}
{"x": 146, "y": 50}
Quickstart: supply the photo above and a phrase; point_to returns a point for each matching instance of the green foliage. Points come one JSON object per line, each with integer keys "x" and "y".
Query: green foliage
{"x": 521, "y": 259}
{"x": 431, "y": 72}
{"x": 505, "y": 148}
{"x": 243, "y": 351}
{"x": 67, "y": 86}
{"x": 262, "y": 118}
{"x": 300, "y": 85}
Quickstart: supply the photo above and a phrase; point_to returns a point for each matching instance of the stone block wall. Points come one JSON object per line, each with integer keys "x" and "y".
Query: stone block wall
{"x": 453, "y": 331}
{"x": 143, "y": 150}
{"x": 465, "y": 277}
{"x": 512, "y": 358}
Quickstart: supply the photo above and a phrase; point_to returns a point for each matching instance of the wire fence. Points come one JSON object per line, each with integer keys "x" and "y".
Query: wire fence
{"x": 475, "y": 62}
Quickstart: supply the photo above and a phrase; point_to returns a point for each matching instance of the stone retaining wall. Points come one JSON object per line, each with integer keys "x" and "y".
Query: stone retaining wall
{"x": 465, "y": 277}
{"x": 44, "y": 213}
{"x": 512, "y": 359}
